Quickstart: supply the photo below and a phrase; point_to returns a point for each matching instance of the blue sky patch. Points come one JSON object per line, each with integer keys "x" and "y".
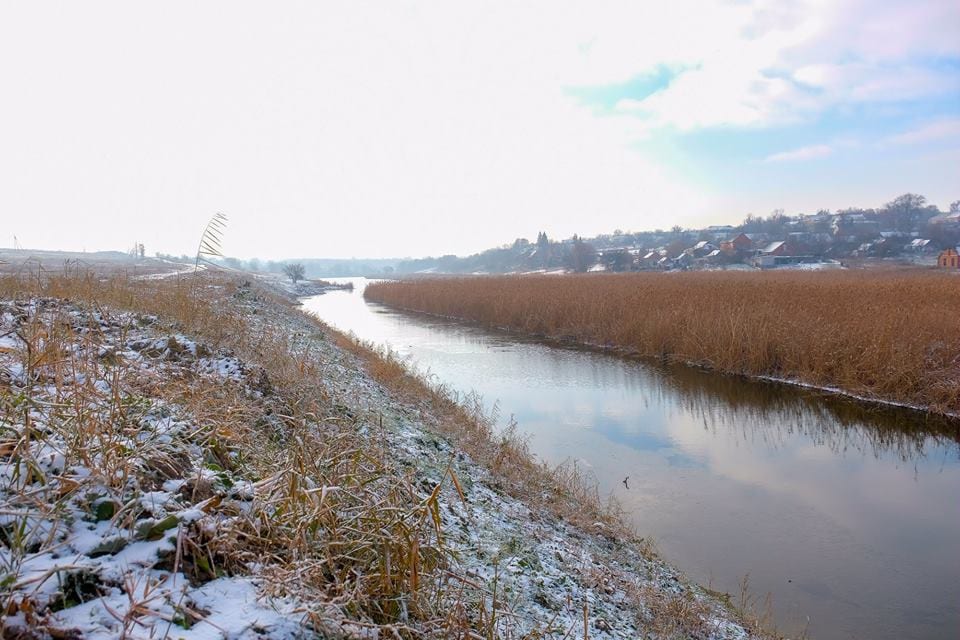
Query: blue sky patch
{"x": 603, "y": 98}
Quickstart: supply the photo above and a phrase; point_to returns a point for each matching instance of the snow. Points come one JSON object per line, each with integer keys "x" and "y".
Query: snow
{"x": 121, "y": 535}
{"x": 224, "y": 367}
{"x": 124, "y": 561}
{"x": 233, "y": 610}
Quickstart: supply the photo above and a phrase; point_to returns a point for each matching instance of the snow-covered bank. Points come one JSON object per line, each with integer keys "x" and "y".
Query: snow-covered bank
{"x": 131, "y": 504}
{"x": 301, "y": 288}
{"x": 103, "y": 482}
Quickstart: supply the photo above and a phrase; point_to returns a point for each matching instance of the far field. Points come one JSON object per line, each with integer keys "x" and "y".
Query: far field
{"x": 884, "y": 335}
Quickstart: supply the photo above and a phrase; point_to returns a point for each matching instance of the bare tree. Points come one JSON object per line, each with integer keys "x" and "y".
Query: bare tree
{"x": 294, "y": 271}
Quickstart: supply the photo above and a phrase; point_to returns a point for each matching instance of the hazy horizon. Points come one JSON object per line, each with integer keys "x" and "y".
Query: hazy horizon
{"x": 418, "y": 129}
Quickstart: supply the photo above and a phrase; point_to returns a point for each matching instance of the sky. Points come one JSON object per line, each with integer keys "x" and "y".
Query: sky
{"x": 393, "y": 129}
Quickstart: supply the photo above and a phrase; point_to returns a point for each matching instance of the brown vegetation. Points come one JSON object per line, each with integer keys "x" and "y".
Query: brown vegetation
{"x": 334, "y": 518}
{"x": 329, "y": 518}
{"x": 886, "y": 335}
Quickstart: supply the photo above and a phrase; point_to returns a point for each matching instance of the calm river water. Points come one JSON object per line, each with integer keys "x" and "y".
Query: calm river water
{"x": 848, "y": 516}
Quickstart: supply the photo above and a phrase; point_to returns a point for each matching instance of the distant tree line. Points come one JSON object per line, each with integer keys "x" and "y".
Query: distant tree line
{"x": 909, "y": 216}
{"x": 573, "y": 254}
{"x": 313, "y": 267}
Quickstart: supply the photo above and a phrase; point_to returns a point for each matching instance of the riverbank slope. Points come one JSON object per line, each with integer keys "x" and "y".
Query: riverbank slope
{"x": 195, "y": 457}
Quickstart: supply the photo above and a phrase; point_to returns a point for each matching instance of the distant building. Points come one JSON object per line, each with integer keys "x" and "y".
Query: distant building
{"x": 715, "y": 257}
{"x": 702, "y": 248}
{"x": 737, "y": 244}
{"x": 781, "y": 248}
{"x": 683, "y": 260}
{"x": 949, "y": 258}
{"x": 720, "y": 228}
{"x": 855, "y": 226}
{"x": 779, "y": 254}
{"x": 819, "y": 221}
{"x": 650, "y": 259}
{"x": 947, "y": 220}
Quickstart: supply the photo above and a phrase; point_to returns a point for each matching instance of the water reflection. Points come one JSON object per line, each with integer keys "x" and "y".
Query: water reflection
{"x": 846, "y": 513}
{"x": 759, "y": 411}
{"x": 775, "y": 413}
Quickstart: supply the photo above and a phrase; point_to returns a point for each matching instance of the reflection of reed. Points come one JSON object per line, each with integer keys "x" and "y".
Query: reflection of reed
{"x": 883, "y": 334}
{"x": 772, "y": 412}
{"x": 757, "y": 410}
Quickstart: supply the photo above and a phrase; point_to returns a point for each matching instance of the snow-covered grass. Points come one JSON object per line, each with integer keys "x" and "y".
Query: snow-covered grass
{"x": 195, "y": 458}
{"x": 300, "y": 288}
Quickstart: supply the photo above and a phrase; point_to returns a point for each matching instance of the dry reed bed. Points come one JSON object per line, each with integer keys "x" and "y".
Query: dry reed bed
{"x": 343, "y": 513}
{"x": 885, "y": 335}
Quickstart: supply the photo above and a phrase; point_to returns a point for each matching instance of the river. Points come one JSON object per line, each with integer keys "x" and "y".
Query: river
{"x": 847, "y": 515}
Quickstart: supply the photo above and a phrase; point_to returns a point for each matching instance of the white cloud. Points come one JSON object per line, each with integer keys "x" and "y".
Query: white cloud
{"x": 774, "y": 63}
{"x": 940, "y": 130}
{"x": 885, "y": 31}
{"x": 413, "y": 127}
{"x": 323, "y": 130}
{"x": 860, "y": 82}
{"x": 803, "y": 153}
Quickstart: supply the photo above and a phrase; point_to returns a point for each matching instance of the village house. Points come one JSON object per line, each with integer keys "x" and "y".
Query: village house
{"x": 820, "y": 221}
{"x": 713, "y": 258}
{"x": 741, "y": 243}
{"x": 650, "y": 259}
{"x": 719, "y": 231}
{"x": 946, "y": 220}
{"x": 777, "y": 254}
{"x": 949, "y": 258}
{"x": 780, "y": 248}
{"x": 922, "y": 247}
{"x": 682, "y": 261}
{"x": 855, "y": 227}
{"x": 702, "y": 248}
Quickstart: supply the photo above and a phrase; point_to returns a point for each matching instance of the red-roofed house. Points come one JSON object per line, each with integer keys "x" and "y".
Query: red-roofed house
{"x": 949, "y": 258}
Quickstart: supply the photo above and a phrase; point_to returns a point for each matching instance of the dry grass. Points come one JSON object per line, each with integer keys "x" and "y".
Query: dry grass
{"x": 562, "y": 490}
{"x": 886, "y": 335}
{"x": 335, "y": 518}
{"x": 332, "y": 516}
